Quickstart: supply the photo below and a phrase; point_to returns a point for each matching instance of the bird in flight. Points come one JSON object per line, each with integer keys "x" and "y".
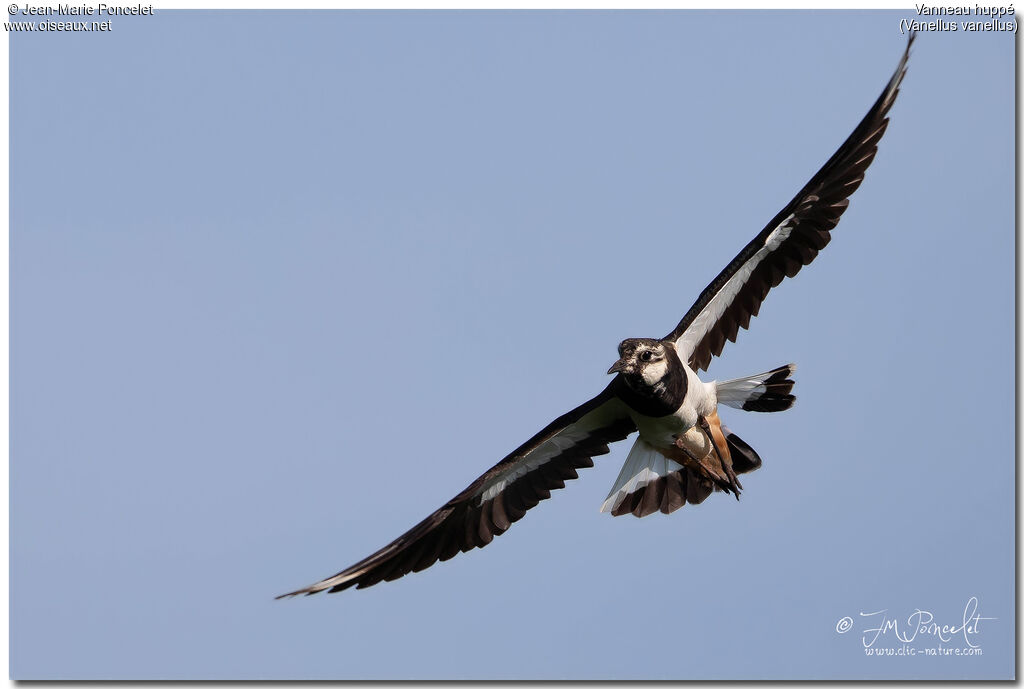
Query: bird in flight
{"x": 683, "y": 452}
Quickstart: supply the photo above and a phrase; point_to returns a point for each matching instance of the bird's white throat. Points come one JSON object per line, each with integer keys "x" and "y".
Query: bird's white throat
{"x": 654, "y": 372}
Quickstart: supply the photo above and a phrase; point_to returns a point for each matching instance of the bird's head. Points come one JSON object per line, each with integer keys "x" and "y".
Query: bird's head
{"x": 642, "y": 361}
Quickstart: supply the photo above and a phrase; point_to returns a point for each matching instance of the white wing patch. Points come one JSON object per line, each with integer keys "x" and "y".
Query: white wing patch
{"x": 549, "y": 449}
{"x": 643, "y": 465}
{"x": 552, "y": 447}
{"x": 711, "y": 313}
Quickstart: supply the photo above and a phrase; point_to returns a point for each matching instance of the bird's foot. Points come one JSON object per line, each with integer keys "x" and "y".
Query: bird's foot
{"x": 719, "y": 466}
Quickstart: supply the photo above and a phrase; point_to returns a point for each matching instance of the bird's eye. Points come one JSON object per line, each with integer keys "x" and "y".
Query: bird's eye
{"x": 646, "y": 356}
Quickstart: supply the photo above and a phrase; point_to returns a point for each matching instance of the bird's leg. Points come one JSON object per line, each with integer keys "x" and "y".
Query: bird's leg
{"x": 712, "y": 426}
{"x": 699, "y": 453}
{"x": 697, "y": 471}
{"x": 694, "y": 461}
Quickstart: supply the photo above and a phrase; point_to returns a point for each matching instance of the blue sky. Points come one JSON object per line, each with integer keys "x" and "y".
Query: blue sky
{"x": 282, "y": 283}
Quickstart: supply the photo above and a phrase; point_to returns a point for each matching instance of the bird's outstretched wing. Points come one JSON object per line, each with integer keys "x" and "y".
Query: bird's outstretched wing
{"x": 489, "y": 505}
{"x": 790, "y": 241}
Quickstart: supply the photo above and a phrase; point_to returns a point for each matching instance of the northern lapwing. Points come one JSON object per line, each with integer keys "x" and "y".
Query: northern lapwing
{"x": 683, "y": 452}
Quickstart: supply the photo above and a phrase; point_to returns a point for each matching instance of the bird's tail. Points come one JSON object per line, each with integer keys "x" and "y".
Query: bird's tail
{"x": 769, "y": 391}
{"x": 652, "y": 482}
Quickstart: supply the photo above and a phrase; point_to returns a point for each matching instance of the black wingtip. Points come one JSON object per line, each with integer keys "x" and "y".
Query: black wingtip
{"x": 299, "y": 592}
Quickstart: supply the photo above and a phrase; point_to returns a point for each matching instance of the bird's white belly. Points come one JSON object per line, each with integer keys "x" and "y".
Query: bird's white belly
{"x": 661, "y": 431}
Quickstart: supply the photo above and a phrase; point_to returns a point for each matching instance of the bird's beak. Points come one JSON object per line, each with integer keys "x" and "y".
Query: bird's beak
{"x": 617, "y": 367}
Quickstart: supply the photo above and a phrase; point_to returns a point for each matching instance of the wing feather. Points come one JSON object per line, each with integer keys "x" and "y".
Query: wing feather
{"x": 497, "y": 499}
{"x": 790, "y": 241}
